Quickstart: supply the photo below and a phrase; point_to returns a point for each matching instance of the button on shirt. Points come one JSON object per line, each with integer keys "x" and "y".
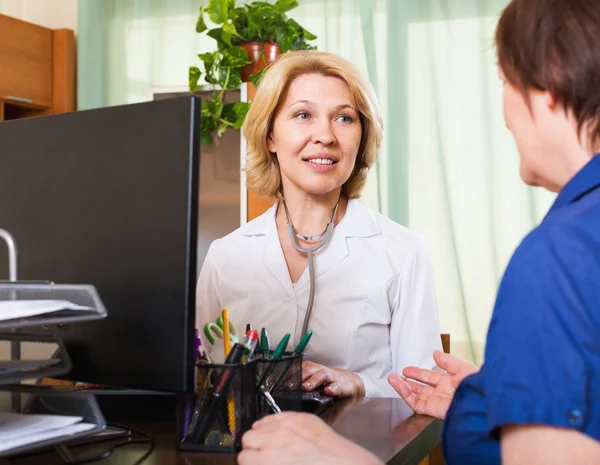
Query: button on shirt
{"x": 375, "y": 308}
{"x": 542, "y": 361}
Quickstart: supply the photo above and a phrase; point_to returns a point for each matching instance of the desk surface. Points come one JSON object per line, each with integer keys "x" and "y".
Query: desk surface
{"x": 386, "y": 427}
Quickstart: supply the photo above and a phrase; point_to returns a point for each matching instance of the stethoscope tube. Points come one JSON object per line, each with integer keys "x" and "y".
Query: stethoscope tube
{"x": 310, "y": 253}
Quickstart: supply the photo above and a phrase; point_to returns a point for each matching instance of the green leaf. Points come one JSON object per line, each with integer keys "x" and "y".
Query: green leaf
{"x": 286, "y": 5}
{"x": 211, "y": 79}
{"x": 308, "y": 35}
{"x": 193, "y": 77}
{"x": 256, "y": 17}
{"x": 215, "y": 107}
{"x": 234, "y": 57}
{"x": 231, "y": 6}
{"x": 208, "y": 122}
{"x": 240, "y": 109}
{"x": 207, "y": 58}
{"x": 206, "y": 139}
{"x": 256, "y": 78}
{"x": 217, "y": 11}
{"x": 222, "y": 128}
{"x": 224, "y": 77}
{"x": 284, "y": 38}
{"x": 209, "y": 62}
{"x": 264, "y": 15}
{"x": 229, "y": 28}
{"x": 228, "y": 114}
{"x": 221, "y": 37}
{"x": 226, "y": 38}
{"x": 201, "y": 25}
{"x": 215, "y": 33}
{"x": 235, "y": 78}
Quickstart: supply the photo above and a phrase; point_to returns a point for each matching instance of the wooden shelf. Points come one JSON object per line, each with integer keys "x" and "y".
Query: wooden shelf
{"x": 16, "y": 110}
{"x": 37, "y": 68}
{"x": 213, "y": 199}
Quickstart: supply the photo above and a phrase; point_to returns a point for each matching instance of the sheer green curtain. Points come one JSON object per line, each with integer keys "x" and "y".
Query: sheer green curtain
{"x": 448, "y": 169}
{"x": 452, "y": 166}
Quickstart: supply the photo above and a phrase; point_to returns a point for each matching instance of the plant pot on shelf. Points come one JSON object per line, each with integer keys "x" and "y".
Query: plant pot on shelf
{"x": 261, "y": 54}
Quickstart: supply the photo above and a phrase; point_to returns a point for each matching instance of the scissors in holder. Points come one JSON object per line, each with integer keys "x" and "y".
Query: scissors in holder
{"x": 214, "y": 331}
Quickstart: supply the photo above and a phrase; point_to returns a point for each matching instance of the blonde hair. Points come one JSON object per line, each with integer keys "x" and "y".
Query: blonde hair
{"x": 262, "y": 172}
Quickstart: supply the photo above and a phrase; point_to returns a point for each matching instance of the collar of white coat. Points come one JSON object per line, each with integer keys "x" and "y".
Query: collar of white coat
{"x": 359, "y": 221}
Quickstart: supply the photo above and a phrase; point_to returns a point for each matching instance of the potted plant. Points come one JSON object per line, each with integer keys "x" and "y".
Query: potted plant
{"x": 248, "y": 38}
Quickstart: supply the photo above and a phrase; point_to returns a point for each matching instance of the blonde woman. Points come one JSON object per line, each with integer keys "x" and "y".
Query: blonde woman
{"x": 320, "y": 259}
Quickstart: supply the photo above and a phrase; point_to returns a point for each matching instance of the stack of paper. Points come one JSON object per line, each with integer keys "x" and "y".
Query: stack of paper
{"x": 17, "y": 430}
{"x": 13, "y": 309}
{"x": 16, "y": 366}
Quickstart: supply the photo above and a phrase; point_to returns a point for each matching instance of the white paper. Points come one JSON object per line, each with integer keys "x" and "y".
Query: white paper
{"x": 14, "y": 366}
{"x": 29, "y": 438}
{"x": 14, "y": 425}
{"x": 12, "y": 309}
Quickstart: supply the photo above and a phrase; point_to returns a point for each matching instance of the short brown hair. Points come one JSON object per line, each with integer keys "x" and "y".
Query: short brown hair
{"x": 262, "y": 172}
{"x": 552, "y": 45}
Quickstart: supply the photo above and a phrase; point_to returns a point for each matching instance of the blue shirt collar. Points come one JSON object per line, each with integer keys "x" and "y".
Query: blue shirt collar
{"x": 583, "y": 182}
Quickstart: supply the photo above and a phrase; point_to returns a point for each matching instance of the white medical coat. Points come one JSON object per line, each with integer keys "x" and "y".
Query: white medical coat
{"x": 375, "y": 307}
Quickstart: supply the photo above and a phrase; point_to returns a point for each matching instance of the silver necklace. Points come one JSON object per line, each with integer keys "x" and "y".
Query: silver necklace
{"x": 309, "y": 238}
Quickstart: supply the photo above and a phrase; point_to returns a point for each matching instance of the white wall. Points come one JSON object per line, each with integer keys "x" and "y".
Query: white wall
{"x": 54, "y": 14}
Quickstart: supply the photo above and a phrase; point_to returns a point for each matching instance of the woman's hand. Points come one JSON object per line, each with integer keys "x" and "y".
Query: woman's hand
{"x": 435, "y": 396}
{"x": 336, "y": 382}
{"x": 292, "y": 438}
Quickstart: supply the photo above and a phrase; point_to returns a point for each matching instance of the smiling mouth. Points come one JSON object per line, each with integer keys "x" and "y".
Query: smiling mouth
{"x": 321, "y": 161}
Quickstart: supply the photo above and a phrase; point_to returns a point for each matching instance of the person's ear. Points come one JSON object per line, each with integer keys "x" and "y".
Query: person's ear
{"x": 271, "y": 144}
{"x": 550, "y": 101}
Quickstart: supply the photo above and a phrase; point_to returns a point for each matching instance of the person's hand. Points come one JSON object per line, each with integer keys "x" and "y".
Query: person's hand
{"x": 336, "y": 382}
{"x": 292, "y": 438}
{"x": 435, "y": 396}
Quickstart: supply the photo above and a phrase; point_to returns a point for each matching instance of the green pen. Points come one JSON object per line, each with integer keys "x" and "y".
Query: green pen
{"x": 265, "y": 345}
{"x": 281, "y": 347}
{"x": 302, "y": 344}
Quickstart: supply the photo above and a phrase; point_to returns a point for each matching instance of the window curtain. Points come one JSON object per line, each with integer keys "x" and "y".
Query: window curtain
{"x": 448, "y": 167}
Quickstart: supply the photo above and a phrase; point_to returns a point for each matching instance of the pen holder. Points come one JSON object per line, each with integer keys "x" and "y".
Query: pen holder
{"x": 229, "y": 400}
{"x": 282, "y": 379}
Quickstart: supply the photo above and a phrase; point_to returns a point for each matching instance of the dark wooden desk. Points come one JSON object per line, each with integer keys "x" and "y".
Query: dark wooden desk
{"x": 386, "y": 427}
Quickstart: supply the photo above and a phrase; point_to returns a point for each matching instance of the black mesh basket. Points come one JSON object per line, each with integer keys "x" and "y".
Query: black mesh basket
{"x": 231, "y": 397}
{"x": 82, "y": 303}
{"x": 31, "y": 357}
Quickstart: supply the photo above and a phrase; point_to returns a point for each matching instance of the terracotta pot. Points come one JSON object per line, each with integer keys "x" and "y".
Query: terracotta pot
{"x": 259, "y": 61}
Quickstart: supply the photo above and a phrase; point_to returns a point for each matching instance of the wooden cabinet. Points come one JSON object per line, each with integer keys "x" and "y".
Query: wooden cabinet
{"x": 37, "y": 69}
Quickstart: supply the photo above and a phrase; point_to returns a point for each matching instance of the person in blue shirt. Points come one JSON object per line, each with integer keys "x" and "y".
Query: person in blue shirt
{"x": 536, "y": 399}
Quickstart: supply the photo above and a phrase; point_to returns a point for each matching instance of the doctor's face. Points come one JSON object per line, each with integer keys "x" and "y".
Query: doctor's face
{"x": 316, "y": 134}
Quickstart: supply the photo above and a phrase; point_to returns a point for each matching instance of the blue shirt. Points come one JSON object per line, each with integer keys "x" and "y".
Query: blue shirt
{"x": 542, "y": 358}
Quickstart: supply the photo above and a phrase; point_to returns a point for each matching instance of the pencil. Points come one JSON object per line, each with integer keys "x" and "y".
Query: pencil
{"x": 230, "y": 397}
{"x": 226, "y": 337}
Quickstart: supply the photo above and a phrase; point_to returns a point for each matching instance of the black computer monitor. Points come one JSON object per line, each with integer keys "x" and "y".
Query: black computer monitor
{"x": 109, "y": 197}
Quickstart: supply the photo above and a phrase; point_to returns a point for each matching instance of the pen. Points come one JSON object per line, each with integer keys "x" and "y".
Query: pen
{"x": 265, "y": 345}
{"x": 269, "y": 398}
{"x": 248, "y": 328}
{"x": 221, "y": 387}
{"x": 280, "y": 349}
{"x": 302, "y": 344}
{"x": 250, "y": 342}
{"x": 297, "y": 351}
